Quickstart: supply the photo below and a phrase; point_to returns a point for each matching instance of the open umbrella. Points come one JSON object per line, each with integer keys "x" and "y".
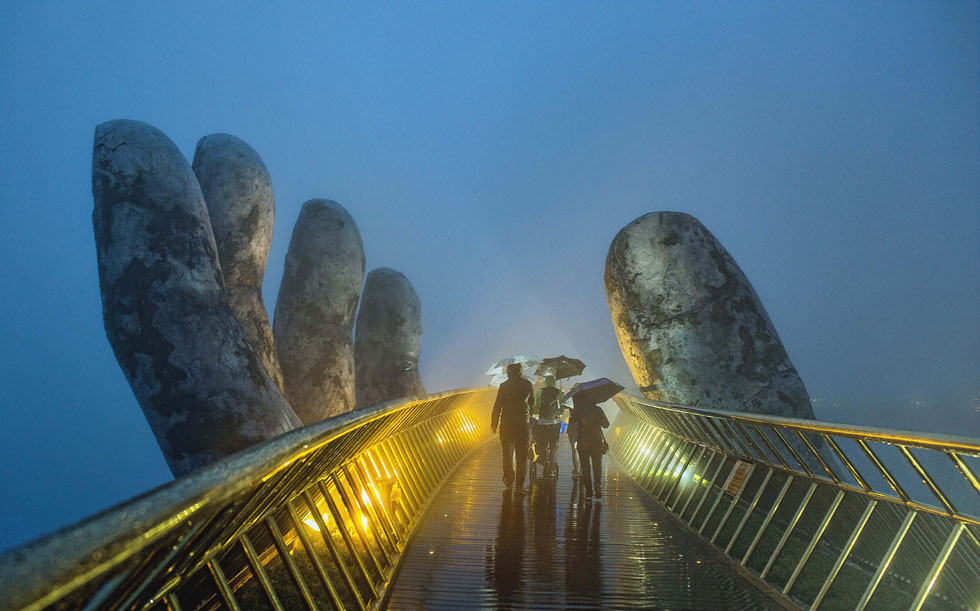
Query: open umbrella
{"x": 500, "y": 378}
{"x": 595, "y": 391}
{"x": 560, "y": 367}
{"x": 501, "y": 365}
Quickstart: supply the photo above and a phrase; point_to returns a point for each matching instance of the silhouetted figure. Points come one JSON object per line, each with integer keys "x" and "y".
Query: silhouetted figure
{"x": 589, "y": 420}
{"x": 547, "y": 409}
{"x": 510, "y": 411}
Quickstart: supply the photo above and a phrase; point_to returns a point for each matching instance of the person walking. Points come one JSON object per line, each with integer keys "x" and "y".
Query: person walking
{"x": 510, "y": 412}
{"x": 589, "y": 420}
{"x": 547, "y": 409}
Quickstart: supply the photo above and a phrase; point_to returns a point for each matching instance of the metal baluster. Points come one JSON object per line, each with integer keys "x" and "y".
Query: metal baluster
{"x": 172, "y": 603}
{"x": 853, "y": 470}
{"x": 365, "y": 512}
{"x": 411, "y": 448}
{"x": 883, "y": 470}
{"x": 697, "y": 486}
{"x": 734, "y": 502}
{"x": 759, "y": 454}
{"x": 886, "y": 560}
{"x": 704, "y": 497}
{"x": 321, "y": 570}
{"x": 749, "y": 510}
{"x": 937, "y": 567}
{"x": 675, "y": 459}
{"x": 809, "y": 446}
{"x": 768, "y": 442}
{"x": 411, "y": 503}
{"x": 792, "y": 452}
{"x": 222, "y": 583}
{"x": 407, "y": 474}
{"x": 813, "y": 541}
{"x": 379, "y": 512}
{"x": 651, "y": 438}
{"x": 933, "y": 486}
{"x": 348, "y": 541}
{"x": 842, "y": 557}
{"x": 765, "y": 523}
{"x": 664, "y": 451}
{"x": 677, "y": 482}
{"x": 358, "y": 527}
{"x": 789, "y": 530}
{"x": 256, "y": 563}
{"x": 636, "y": 453}
{"x": 335, "y": 554}
{"x": 651, "y": 458}
{"x": 964, "y": 470}
{"x": 283, "y": 550}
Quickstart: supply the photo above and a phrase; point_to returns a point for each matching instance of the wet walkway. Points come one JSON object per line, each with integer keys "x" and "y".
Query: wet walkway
{"x": 481, "y": 547}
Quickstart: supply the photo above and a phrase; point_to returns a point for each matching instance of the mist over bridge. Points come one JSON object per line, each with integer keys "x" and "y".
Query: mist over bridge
{"x": 399, "y": 506}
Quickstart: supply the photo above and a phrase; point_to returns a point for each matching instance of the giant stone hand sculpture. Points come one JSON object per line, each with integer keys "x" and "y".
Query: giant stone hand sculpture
{"x": 693, "y": 330}
{"x": 203, "y": 389}
{"x": 691, "y": 327}
{"x": 314, "y": 319}
{"x": 242, "y": 208}
{"x": 387, "y": 339}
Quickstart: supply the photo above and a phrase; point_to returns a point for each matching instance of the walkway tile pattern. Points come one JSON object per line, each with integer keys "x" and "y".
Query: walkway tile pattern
{"x": 481, "y": 547}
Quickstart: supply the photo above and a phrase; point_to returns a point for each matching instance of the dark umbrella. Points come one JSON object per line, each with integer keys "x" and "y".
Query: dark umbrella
{"x": 595, "y": 391}
{"x": 560, "y": 366}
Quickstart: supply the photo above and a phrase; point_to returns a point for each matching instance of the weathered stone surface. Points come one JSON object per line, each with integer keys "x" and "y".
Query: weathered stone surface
{"x": 691, "y": 327}
{"x": 200, "y": 384}
{"x": 314, "y": 318}
{"x": 242, "y": 208}
{"x": 387, "y": 340}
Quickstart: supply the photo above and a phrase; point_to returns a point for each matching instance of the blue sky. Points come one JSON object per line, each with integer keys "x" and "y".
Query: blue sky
{"x": 491, "y": 151}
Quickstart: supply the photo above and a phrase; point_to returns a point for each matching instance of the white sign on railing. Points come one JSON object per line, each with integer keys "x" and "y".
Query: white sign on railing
{"x": 736, "y": 479}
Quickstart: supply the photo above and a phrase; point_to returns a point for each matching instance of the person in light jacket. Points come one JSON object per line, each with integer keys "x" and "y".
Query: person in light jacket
{"x": 547, "y": 409}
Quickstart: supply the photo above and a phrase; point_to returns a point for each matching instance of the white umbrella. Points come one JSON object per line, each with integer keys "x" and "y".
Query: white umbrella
{"x": 501, "y": 365}
{"x": 499, "y": 379}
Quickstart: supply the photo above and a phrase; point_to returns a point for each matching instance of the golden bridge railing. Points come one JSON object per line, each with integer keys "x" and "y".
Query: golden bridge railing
{"x": 892, "y": 525}
{"x": 316, "y": 518}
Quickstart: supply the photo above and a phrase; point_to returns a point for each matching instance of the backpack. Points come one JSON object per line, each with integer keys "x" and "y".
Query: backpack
{"x": 549, "y": 402}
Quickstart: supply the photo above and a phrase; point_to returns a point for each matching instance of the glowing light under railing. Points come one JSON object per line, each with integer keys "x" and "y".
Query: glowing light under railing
{"x": 687, "y": 476}
{"x": 439, "y": 437}
{"x": 363, "y": 521}
{"x": 365, "y": 497}
{"x": 310, "y": 521}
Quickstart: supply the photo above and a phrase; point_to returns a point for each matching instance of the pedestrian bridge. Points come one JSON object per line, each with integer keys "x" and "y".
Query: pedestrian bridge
{"x": 402, "y": 506}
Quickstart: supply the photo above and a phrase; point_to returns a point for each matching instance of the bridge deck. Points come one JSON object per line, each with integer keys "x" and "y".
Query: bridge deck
{"x": 481, "y": 547}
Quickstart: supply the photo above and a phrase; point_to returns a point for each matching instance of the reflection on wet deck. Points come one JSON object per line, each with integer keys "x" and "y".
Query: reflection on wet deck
{"x": 482, "y": 547}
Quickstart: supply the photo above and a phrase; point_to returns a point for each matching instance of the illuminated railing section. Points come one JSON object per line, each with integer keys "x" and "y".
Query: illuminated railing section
{"x": 314, "y": 519}
{"x": 891, "y": 524}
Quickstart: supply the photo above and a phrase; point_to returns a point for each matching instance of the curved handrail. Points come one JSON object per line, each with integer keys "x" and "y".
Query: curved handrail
{"x": 73, "y": 559}
{"x": 735, "y": 477}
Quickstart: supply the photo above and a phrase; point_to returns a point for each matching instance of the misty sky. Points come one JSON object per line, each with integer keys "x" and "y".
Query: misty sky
{"x": 491, "y": 151}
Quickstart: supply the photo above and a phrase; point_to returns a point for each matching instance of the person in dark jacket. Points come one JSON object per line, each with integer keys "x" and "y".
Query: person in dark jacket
{"x": 510, "y": 411}
{"x": 589, "y": 420}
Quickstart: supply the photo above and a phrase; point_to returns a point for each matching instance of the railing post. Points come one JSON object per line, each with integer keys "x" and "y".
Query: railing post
{"x": 937, "y": 567}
